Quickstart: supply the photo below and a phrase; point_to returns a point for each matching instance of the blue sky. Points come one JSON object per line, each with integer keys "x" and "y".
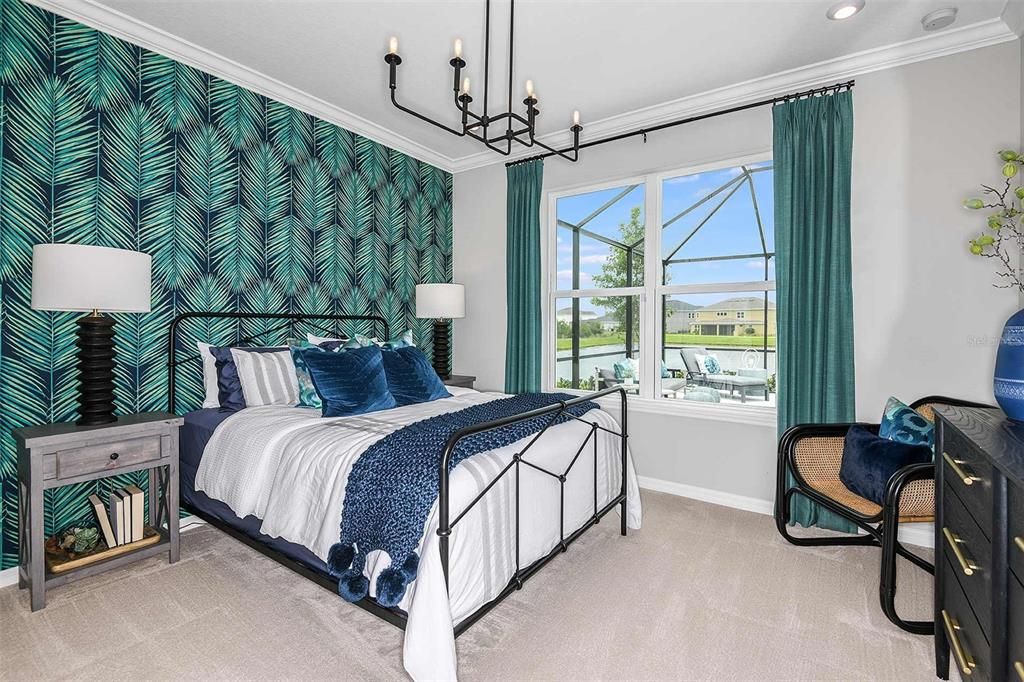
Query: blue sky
{"x": 731, "y": 231}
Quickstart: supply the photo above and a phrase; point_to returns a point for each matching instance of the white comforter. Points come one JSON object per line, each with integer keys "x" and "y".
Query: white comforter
{"x": 289, "y": 467}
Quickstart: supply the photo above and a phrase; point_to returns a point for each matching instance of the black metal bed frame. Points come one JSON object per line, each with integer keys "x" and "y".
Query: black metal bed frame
{"x": 446, "y": 524}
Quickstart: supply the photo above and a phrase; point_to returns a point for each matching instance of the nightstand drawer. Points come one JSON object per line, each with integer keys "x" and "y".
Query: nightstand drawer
{"x": 108, "y": 457}
{"x": 969, "y": 552}
{"x": 967, "y": 472}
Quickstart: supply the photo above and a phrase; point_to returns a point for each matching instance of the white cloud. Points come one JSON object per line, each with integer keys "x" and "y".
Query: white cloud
{"x": 590, "y": 260}
{"x": 683, "y": 179}
{"x": 585, "y": 278}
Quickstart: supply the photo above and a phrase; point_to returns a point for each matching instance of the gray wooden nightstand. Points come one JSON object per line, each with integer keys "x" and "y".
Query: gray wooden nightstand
{"x": 460, "y": 380}
{"x": 54, "y": 455}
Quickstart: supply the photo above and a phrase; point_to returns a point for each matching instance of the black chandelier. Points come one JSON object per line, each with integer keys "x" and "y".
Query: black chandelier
{"x": 514, "y": 127}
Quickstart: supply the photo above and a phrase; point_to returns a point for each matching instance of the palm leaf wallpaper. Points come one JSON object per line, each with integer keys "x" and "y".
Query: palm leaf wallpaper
{"x": 244, "y": 204}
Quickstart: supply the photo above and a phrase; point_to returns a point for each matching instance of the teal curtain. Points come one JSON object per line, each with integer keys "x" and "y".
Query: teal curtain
{"x": 522, "y": 260}
{"x": 813, "y": 144}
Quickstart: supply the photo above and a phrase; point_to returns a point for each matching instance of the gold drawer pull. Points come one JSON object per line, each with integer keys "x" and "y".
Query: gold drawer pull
{"x": 964, "y": 660}
{"x": 961, "y": 473}
{"x": 1019, "y": 667}
{"x": 1019, "y": 541}
{"x": 954, "y": 542}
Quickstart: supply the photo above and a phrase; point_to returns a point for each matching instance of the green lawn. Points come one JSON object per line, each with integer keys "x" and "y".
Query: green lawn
{"x": 672, "y": 340}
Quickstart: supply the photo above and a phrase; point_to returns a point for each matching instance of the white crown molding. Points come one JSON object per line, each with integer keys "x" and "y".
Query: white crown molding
{"x": 102, "y": 18}
{"x": 983, "y": 34}
{"x": 930, "y": 46}
{"x": 1013, "y": 16}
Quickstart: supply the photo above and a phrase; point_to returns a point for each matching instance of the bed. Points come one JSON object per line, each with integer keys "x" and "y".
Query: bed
{"x": 274, "y": 477}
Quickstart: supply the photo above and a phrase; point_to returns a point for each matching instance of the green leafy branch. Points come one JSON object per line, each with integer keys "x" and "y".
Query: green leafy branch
{"x": 1004, "y": 239}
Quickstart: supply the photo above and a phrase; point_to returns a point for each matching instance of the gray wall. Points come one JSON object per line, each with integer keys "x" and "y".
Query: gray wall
{"x": 927, "y": 318}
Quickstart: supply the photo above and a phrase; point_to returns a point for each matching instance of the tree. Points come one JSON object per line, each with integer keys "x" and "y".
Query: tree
{"x": 614, "y": 271}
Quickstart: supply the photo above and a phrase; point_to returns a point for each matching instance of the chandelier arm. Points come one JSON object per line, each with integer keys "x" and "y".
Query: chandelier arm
{"x": 503, "y": 152}
{"x": 487, "y": 55}
{"x": 400, "y": 107}
{"x": 511, "y": 55}
{"x": 575, "y": 148}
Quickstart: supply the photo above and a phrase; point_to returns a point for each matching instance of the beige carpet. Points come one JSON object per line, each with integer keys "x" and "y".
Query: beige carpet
{"x": 701, "y": 593}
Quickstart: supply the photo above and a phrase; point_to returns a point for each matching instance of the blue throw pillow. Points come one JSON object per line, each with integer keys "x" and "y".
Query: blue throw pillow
{"x": 665, "y": 374}
{"x": 229, "y": 386}
{"x": 904, "y": 425}
{"x": 869, "y": 461}
{"x": 712, "y": 366}
{"x": 349, "y": 383}
{"x": 411, "y": 379}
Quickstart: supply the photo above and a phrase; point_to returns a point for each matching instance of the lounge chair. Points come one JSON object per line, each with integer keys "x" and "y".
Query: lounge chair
{"x": 744, "y": 385}
{"x": 606, "y": 379}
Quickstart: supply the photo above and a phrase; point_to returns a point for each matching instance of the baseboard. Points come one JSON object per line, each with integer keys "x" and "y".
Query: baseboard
{"x": 917, "y": 534}
{"x": 9, "y": 576}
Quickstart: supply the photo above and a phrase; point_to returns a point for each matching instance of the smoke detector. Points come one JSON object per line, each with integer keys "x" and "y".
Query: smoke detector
{"x": 939, "y": 19}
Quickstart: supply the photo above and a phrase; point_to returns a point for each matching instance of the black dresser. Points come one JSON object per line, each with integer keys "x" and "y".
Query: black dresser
{"x": 979, "y": 544}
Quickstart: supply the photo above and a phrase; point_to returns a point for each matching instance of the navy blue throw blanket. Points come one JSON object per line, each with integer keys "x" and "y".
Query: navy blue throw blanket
{"x": 395, "y": 482}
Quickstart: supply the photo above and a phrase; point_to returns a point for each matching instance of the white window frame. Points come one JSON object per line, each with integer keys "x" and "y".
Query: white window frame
{"x": 651, "y": 296}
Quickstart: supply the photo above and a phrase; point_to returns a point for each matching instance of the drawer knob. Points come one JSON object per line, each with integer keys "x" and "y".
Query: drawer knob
{"x": 114, "y": 456}
{"x": 1019, "y": 669}
{"x": 964, "y": 660}
{"x": 1019, "y": 541}
{"x": 955, "y": 464}
{"x": 954, "y": 541}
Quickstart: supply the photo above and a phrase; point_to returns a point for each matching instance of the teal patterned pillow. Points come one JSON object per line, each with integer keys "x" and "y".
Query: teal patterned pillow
{"x": 625, "y": 369}
{"x": 403, "y": 340}
{"x": 712, "y": 366}
{"x": 308, "y": 397}
{"x": 903, "y": 424}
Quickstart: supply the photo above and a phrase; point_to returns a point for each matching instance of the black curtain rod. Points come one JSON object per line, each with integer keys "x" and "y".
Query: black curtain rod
{"x": 693, "y": 119}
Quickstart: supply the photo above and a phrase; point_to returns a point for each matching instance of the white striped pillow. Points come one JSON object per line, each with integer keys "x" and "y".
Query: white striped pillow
{"x": 266, "y": 378}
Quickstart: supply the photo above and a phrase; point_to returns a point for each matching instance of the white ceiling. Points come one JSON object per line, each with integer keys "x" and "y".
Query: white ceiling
{"x": 604, "y": 57}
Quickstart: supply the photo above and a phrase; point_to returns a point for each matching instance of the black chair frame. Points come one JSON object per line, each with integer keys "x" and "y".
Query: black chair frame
{"x": 881, "y": 529}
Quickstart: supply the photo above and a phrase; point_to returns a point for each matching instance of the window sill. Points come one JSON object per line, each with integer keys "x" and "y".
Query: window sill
{"x": 737, "y": 414}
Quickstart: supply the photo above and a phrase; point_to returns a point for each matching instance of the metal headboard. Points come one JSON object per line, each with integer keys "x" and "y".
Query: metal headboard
{"x": 289, "y": 321}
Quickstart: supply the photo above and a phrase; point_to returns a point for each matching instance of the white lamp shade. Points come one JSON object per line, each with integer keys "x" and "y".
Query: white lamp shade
{"x": 440, "y": 301}
{"x": 85, "y": 278}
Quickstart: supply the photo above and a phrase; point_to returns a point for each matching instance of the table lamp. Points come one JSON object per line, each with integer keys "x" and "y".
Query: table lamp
{"x": 440, "y": 302}
{"x": 72, "y": 277}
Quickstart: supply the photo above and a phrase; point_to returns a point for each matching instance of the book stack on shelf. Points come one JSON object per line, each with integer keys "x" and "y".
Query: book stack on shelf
{"x": 121, "y": 523}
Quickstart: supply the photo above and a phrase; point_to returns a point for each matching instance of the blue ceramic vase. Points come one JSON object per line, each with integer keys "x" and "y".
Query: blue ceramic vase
{"x": 1009, "y": 379}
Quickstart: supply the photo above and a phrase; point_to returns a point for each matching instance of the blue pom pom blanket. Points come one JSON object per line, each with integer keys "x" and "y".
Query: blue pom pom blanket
{"x": 394, "y": 483}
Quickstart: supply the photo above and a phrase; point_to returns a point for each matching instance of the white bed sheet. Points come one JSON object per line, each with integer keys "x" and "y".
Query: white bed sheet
{"x": 289, "y": 467}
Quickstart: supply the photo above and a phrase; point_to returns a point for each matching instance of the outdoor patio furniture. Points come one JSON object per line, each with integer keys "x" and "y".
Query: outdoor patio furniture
{"x": 606, "y": 379}
{"x": 746, "y": 383}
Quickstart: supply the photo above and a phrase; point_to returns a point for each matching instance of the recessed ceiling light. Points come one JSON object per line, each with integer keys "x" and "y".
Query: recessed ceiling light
{"x": 939, "y": 19}
{"x": 844, "y": 10}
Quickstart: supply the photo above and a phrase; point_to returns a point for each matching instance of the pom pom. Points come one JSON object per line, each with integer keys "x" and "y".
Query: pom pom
{"x": 352, "y": 585}
{"x": 340, "y": 557}
{"x": 391, "y": 586}
{"x": 410, "y": 566}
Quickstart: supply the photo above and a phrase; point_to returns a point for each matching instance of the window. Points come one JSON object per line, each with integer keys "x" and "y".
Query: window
{"x": 653, "y": 277}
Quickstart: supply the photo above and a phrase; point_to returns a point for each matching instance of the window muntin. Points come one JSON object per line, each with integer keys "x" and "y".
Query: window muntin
{"x": 711, "y": 283}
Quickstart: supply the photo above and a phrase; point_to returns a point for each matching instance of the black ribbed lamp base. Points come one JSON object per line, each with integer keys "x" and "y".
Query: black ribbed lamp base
{"x": 442, "y": 348}
{"x": 95, "y": 370}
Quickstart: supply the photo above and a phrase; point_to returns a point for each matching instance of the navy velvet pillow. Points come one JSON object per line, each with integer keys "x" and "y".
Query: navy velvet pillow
{"x": 869, "y": 461}
{"x": 411, "y": 379}
{"x": 352, "y": 382}
{"x": 229, "y": 386}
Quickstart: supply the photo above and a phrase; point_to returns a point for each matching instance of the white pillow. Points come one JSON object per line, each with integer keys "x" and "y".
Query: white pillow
{"x": 212, "y": 398}
{"x": 266, "y": 378}
{"x": 317, "y": 340}
{"x": 702, "y": 359}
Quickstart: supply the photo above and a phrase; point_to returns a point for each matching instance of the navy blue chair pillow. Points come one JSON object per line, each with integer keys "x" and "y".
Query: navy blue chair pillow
{"x": 229, "y": 386}
{"x": 350, "y": 382}
{"x": 869, "y": 461}
{"x": 411, "y": 379}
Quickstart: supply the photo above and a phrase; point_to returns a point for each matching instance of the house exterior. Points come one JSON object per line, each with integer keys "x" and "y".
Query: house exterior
{"x": 739, "y": 316}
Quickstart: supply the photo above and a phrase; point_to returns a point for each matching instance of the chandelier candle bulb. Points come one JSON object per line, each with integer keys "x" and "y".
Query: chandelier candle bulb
{"x": 393, "y": 45}
{"x": 529, "y": 88}
{"x": 465, "y": 86}
{"x": 458, "y": 48}
{"x": 575, "y": 118}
